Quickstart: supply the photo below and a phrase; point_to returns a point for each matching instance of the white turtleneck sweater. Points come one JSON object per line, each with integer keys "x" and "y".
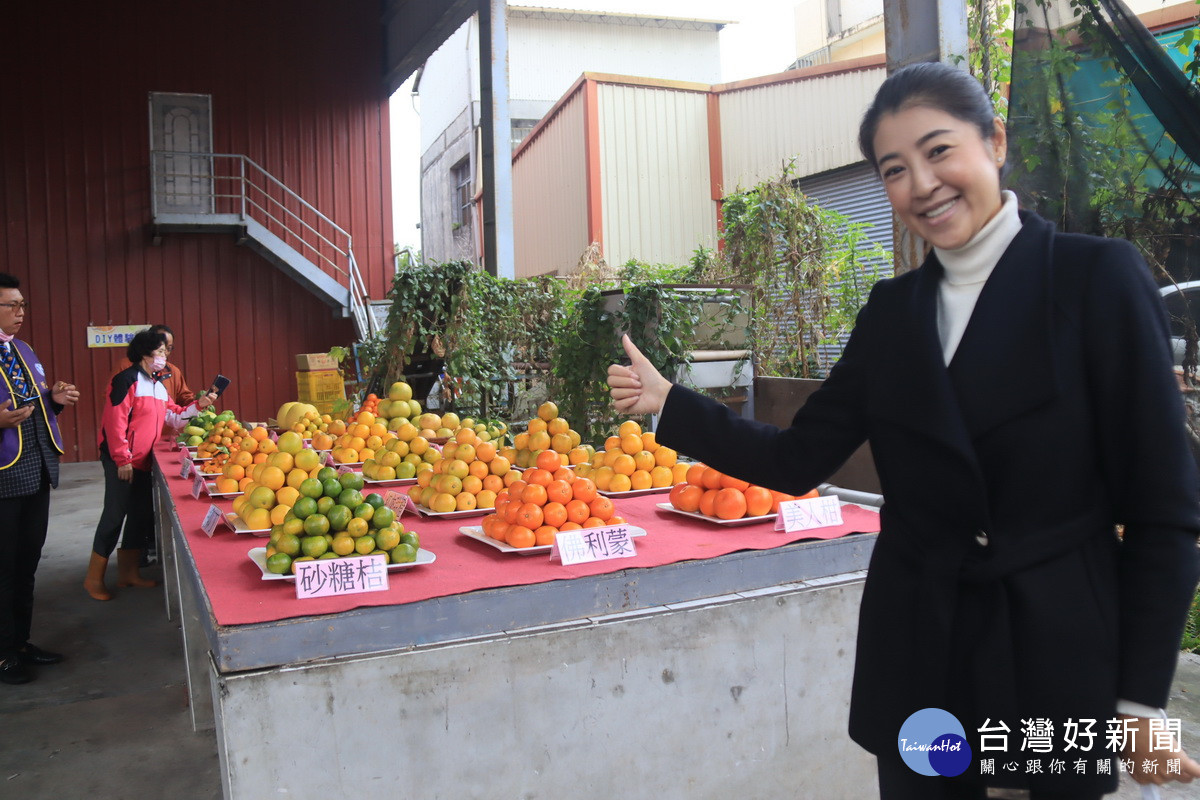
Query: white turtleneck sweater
{"x": 967, "y": 270}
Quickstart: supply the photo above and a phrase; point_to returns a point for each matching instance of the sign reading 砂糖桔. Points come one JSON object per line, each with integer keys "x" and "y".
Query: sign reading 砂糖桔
{"x": 354, "y": 575}
{"x": 112, "y": 335}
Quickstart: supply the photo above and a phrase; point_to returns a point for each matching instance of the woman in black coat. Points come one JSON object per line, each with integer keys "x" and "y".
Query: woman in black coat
{"x": 1018, "y": 394}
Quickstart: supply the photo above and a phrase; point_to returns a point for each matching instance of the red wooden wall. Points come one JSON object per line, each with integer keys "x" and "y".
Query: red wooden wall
{"x": 296, "y": 85}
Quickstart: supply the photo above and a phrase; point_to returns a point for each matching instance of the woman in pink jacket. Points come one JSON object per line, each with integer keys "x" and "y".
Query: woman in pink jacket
{"x": 137, "y": 407}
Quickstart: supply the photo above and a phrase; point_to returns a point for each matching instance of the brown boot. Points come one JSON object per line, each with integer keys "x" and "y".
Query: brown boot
{"x": 128, "y": 562}
{"x": 94, "y": 582}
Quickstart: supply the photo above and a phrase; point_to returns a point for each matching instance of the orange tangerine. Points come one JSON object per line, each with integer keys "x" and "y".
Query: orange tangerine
{"x": 661, "y": 477}
{"x": 624, "y": 464}
{"x": 536, "y": 425}
{"x": 665, "y": 456}
{"x": 631, "y": 443}
{"x": 272, "y": 477}
{"x": 520, "y": 536}
{"x": 630, "y": 428}
{"x": 649, "y": 442}
{"x": 640, "y": 479}
{"x": 612, "y": 443}
{"x": 619, "y": 483}
{"x": 644, "y": 460}
{"x": 603, "y": 478}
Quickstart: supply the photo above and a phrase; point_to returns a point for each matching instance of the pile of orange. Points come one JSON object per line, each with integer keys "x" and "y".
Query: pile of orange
{"x": 245, "y": 446}
{"x": 547, "y": 432}
{"x": 401, "y": 457}
{"x": 272, "y": 487}
{"x": 544, "y": 500}
{"x": 361, "y": 438}
{"x": 715, "y": 494}
{"x": 370, "y": 404}
{"x": 469, "y": 474}
{"x": 633, "y": 460}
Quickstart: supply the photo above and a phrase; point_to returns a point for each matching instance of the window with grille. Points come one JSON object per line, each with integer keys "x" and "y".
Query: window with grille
{"x": 460, "y": 173}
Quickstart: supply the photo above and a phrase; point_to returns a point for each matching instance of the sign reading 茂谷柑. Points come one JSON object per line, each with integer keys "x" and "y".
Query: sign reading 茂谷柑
{"x": 112, "y": 335}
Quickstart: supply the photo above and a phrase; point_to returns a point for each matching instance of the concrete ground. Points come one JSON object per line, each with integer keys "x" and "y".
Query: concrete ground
{"x": 112, "y": 720}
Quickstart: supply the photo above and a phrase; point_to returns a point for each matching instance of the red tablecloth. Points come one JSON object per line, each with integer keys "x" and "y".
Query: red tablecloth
{"x": 239, "y": 595}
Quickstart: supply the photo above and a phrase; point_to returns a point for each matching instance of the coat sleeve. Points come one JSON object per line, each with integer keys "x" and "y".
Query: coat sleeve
{"x": 1151, "y": 476}
{"x": 183, "y": 395}
{"x": 824, "y": 433}
{"x": 115, "y": 421}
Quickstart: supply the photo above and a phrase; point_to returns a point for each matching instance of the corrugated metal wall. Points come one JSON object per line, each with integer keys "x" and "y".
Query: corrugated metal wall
{"x": 550, "y": 194}
{"x": 654, "y": 167}
{"x": 295, "y": 86}
{"x": 814, "y": 121}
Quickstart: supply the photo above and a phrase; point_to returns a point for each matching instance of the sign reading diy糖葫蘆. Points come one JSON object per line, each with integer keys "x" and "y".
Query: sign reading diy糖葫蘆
{"x": 112, "y": 335}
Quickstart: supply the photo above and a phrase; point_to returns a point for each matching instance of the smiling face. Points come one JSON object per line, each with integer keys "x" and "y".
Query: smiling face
{"x": 941, "y": 176}
{"x": 11, "y": 318}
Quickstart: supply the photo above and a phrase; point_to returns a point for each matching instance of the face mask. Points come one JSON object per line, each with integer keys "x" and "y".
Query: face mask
{"x": 160, "y": 362}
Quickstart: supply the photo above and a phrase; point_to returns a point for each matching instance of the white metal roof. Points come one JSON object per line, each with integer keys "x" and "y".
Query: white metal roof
{"x": 617, "y": 18}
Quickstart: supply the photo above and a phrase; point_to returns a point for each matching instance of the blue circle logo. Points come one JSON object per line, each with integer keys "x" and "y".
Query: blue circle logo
{"x": 933, "y": 742}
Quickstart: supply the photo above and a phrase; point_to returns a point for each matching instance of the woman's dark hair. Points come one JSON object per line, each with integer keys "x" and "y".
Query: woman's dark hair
{"x": 160, "y": 328}
{"x": 931, "y": 84}
{"x": 143, "y": 344}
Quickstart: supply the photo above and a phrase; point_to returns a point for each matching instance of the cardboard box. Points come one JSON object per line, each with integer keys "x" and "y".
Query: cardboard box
{"x": 320, "y": 387}
{"x": 312, "y": 362}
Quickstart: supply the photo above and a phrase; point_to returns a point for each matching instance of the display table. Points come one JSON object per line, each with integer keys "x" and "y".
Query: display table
{"x": 716, "y": 660}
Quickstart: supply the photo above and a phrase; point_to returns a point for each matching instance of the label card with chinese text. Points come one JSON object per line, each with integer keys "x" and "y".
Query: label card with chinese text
{"x": 333, "y": 576}
{"x": 212, "y": 519}
{"x": 185, "y": 468}
{"x": 396, "y": 501}
{"x": 592, "y": 544}
{"x": 197, "y": 485}
{"x": 806, "y": 515}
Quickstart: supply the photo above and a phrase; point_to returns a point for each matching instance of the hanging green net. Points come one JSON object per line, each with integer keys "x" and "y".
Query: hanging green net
{"x": 1104, "y": 127}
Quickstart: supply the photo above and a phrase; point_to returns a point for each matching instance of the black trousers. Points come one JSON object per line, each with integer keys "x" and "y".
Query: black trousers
{"x": 898, "y": 782}
{"x": 125, "y": 504}
{"x": 23, "y": 522}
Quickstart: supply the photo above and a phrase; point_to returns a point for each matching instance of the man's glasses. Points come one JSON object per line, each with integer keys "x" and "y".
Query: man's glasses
{"x": 16, "y": 305}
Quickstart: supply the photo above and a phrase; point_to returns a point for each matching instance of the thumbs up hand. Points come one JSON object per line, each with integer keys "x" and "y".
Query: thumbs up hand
{"x": 638, "y": 388}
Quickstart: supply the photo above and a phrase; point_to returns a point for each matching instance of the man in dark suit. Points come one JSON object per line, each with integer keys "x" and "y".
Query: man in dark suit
{"x": 30, "y": 444}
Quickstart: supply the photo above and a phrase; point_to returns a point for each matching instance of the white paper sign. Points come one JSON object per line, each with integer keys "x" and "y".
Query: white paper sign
{"x": 396, "y": 501}
{"x": 331, "y": 576}
{"x": 186, "y": 468}
{"x": 197, "y": 485}
{"x": 593, "y": 544}
{"x": 211, "y": 520}
{"x": 805, "y": 515}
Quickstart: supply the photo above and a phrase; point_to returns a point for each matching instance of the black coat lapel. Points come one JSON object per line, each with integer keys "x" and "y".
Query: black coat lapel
{"x": 1004, "y": 365}
{"x": 915, "y": 390}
